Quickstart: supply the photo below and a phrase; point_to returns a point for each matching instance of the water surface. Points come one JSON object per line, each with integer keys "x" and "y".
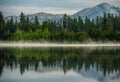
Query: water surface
{"x": 52, "y": 64}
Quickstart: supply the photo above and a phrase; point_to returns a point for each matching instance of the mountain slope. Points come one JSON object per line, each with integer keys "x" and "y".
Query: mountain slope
{"x": 99, "y": 10}
{"x": 41, "y": 17}
{"x": 45, "y": 16}
{"x": 15, "y": 18}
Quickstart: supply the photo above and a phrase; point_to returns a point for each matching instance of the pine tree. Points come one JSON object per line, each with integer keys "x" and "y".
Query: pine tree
{"x": 87, "y": 24}
{"x": 80, "y": 24}
{"x": 23, "y": 22}
{"x": 36, "y": 21}
{"x": 2, "y": 24}
{"x": 65, "y": 22}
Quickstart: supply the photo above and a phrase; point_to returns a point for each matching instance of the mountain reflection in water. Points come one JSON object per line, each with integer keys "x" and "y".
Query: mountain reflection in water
{"x": 101, "y": 64}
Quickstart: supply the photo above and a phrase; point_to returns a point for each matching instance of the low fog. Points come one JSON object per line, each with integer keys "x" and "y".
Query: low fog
{"x": 46, "y": 44}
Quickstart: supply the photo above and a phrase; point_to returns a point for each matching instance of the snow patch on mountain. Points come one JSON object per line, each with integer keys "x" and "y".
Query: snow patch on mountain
{"x": 98, "y": 10}
{"x": 15, "y": 18}
{"x": 45, "y": 16}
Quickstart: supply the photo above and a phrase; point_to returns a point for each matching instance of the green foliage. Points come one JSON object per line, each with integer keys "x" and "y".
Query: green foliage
{"x": 66, "y": 29}
{"x": 2, "y": 24}
{"x": 18, "y": 35}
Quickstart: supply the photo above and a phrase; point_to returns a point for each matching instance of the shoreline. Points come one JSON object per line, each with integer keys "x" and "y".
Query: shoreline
{"x": 37, "y": 44}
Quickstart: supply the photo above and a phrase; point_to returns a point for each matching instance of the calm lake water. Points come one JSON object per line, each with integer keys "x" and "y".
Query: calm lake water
{"x": 81, "y": 64}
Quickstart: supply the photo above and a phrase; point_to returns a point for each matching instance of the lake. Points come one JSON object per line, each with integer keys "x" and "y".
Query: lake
{"x": 60, "y": 64}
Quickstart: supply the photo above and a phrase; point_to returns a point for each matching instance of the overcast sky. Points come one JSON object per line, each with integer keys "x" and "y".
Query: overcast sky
{"x": 14, "y": 7}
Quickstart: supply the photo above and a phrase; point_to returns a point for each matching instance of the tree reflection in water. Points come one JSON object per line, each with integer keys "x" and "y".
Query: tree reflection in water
{"x": 104, "y": 59}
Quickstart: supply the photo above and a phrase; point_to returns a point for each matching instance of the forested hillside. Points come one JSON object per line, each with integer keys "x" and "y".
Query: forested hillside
{"x": 106, "y": 28}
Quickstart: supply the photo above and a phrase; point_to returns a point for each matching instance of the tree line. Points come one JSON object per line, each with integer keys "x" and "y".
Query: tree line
{"x": 106, "y": 28}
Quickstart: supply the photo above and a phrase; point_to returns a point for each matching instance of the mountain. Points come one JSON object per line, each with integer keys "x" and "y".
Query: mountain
{"x": 92, "y": 13}
{"x": 41, "y": 17}
{"x": 98, "y": 10}
{"x": 45, "y": 16}
{"x": 15, "y": 18}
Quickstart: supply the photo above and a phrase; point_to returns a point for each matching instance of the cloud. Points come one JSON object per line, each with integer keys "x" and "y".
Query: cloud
{"x": 71, "y": 4}
{"x": 90, "y": 3}
{"x": 14, "y": 7}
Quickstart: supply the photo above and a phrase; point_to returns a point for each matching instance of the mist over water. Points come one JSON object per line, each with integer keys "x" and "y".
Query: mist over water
{"x": 46, "y": 44}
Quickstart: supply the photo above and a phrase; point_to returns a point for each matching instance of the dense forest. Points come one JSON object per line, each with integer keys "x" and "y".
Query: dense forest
{"x": 67, "y": 29}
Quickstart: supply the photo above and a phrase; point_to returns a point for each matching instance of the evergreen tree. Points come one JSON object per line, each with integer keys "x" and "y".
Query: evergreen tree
{"x": 80, "y": 24}
{"x": 65, "y": 22}
{"x": 23, "y": 22}
{"x": 37, "y": 25}
{"x": 2, "y": 24}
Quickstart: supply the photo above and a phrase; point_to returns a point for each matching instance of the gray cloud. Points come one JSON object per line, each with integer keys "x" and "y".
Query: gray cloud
{"x": 63, "y": 5}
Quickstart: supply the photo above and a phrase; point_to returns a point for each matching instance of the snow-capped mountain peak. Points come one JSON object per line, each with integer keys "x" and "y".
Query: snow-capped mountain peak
{"x": 104, "y": 5}
{"x": 98, "y": 10}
